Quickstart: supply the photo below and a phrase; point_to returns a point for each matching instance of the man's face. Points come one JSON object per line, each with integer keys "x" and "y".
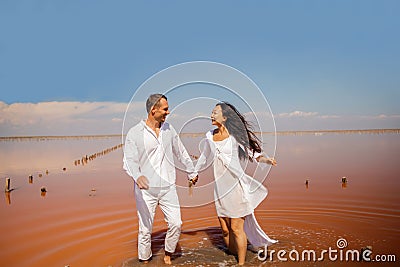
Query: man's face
{"x": 161, "y": 110}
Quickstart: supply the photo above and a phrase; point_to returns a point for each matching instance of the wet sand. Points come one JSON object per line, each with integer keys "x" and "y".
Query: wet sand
{"x": 88, "y": 217}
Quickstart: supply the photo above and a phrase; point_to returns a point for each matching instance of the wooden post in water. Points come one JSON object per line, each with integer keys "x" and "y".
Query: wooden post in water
{"x": 344, "y": 182}
{"x": 8, "y": 184}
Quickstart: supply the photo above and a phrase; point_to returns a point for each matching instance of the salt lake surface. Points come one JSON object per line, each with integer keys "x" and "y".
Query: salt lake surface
{"x": 87, "y": 217}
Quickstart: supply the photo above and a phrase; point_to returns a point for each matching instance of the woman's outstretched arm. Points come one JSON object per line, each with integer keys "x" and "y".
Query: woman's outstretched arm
{"x": 263, "y": 159}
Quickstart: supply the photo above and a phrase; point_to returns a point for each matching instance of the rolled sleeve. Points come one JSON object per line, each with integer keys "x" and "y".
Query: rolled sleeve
{"x": 131, "y": 158}
{"x": 182, "y": 155}
{"x": 252, "y": 154}
{"x": 256, "y": 155}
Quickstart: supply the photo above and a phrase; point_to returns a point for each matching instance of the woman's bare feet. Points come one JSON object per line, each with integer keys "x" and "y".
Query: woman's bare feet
{"x": 167, "y": 258}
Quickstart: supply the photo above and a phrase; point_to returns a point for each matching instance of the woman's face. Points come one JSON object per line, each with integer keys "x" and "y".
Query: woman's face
{"x": 216, "y": 116}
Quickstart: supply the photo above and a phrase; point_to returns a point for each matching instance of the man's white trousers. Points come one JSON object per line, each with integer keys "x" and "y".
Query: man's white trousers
{"x": 146, "y": 203}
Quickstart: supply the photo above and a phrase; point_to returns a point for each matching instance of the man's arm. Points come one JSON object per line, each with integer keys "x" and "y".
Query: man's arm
{"x": 182, "y": 155}
{"x": 131, "y": 162}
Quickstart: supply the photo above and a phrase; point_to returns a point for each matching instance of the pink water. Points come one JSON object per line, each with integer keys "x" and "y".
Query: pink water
{"x": 88, "y": 217}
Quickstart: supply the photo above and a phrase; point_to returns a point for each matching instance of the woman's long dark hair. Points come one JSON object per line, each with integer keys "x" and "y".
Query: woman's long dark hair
{"x": 240, "y": 129}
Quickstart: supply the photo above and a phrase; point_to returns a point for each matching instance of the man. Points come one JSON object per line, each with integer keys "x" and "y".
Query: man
{"x": 148, "y": 159}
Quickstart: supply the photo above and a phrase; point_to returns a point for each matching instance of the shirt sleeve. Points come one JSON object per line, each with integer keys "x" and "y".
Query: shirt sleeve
{"x": 131, "y": 158}
{"x": 182, "y": 155}
{"x": 205, "y": 151}
{"x": 256, "y": 155}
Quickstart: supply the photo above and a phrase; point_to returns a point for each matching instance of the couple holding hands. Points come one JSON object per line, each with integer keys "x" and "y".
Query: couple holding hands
{"x": 148, "y": 159}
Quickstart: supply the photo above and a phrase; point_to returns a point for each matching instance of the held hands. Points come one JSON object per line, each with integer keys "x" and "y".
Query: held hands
{"x": 193, "y": 181}
{"x": 142, "y": 182}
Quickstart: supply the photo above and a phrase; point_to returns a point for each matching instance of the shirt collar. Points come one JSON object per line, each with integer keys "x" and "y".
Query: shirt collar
{"x": 143, "y": 122}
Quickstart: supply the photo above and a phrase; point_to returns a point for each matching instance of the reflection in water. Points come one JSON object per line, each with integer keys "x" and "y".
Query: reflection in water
{"x": 344, "y": 182}
{"x": 38, "y": 154}
{"x": 8, "y": 197}
{"x": 92, "y": 192}
{"x": 43, "y": 191}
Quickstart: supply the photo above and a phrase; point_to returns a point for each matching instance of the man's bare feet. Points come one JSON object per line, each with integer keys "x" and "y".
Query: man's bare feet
{"x": 167, "y": 258}
{"x": 144, "y": 261}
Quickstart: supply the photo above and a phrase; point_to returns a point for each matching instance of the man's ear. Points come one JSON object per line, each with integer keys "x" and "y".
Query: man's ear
{"x": 152, "y": 110}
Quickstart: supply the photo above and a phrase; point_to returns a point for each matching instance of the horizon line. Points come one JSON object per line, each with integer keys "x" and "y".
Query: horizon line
{"x": 289, "y": 132}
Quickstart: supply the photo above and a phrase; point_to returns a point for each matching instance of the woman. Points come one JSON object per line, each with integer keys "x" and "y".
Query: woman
{"x": 236, "y": 194}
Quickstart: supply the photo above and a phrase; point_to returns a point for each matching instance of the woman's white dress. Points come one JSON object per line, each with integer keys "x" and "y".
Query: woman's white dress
{"x": 236, "y": 194}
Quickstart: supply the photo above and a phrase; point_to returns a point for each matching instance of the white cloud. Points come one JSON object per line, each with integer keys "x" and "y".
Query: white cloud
{"x": 302, "y": 120}
{"x": 296, "y": 113}
{"x": 312, "y": 120}
{"x": 382, "y": 116}
{"x": 329, "y": 117}
{"x": 21, "y": 114}
{"x": 62, "y": 118}
{"x": 293, "y": 114}
{"x": 83, "y": 118}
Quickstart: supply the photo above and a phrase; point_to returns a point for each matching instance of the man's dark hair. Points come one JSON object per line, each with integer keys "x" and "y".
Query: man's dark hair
{"x": 154, "y": 100}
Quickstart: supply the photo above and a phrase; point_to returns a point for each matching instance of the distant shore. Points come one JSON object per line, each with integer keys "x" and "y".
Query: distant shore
{"x": 105, "y": 136}
{"x": 57, "y": 137}
{"x": 322, "y": 132}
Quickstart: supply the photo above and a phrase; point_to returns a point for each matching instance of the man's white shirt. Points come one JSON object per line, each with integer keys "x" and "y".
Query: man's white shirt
{"x": 153, "y": 157}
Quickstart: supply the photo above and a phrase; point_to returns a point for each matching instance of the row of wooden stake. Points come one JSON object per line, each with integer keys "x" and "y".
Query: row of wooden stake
{"x": 84, "y": 160}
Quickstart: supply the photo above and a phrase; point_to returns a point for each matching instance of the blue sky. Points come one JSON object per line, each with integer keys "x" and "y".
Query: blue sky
{"x": 330, "y": 58}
